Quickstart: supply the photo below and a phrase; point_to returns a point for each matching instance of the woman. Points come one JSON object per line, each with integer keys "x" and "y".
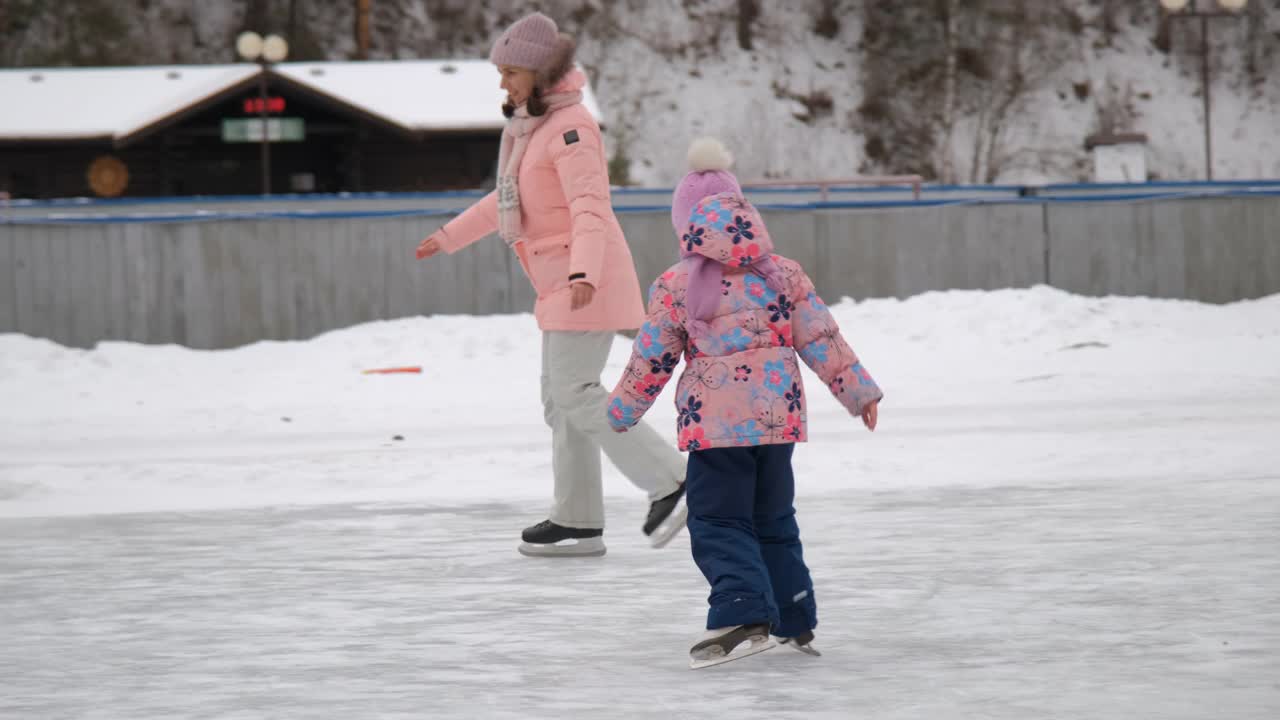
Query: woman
{"x": 552, "y": 208}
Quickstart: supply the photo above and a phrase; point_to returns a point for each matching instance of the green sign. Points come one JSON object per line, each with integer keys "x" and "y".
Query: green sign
{"x": 287, "y": 129}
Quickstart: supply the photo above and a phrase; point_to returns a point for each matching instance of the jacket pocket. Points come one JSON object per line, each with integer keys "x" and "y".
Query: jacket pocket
{"x": 548, "y": 263}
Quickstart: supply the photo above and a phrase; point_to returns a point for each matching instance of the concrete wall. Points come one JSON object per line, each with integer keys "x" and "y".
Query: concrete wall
{"x": 226, "y": 283}
{"x": 1210, "y": 249}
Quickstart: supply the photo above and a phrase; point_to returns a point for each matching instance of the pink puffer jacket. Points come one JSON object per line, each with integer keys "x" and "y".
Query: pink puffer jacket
{"x": 742, "y": 383}
{"x": 569, "y": 222}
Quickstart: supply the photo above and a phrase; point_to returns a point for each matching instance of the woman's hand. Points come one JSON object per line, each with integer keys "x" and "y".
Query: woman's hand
{"x": 429, "y": 247}
{"x": 869, "y": 416}
{"x": 582, "y": 296}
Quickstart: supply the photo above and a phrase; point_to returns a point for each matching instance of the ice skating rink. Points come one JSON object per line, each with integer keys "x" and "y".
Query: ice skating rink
{"x": 1071, "y": 510}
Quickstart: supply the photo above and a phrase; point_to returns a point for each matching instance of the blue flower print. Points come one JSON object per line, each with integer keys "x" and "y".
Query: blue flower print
{"x": 735, "y": 341}
{"x": 621, "y": 415}
{"x": 647, "y": 341}
{"x": 815, "y": 353}
{"x": 816, "y": 302}
{"x": 758, "y": 291}
{"x": 864, "y": 377}
{"x": 776, "y": 377}
{"x": 712, "y": 215}
{"x": 747, "y": 433}
{"x": 740, "y": 229}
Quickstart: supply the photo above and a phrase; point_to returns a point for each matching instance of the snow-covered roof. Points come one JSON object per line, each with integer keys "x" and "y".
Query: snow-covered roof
{"x": 114, "y": 103}
{"x": 70, "y": 103}
{"x": 415, "y": 94}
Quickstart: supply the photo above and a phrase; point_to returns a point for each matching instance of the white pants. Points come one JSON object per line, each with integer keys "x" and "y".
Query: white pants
{"x": 573, "y": 402}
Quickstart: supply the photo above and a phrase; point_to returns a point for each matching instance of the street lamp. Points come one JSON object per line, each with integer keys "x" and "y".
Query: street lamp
{"x": 272, "y": 49}
{"x": 1189, "y": 9}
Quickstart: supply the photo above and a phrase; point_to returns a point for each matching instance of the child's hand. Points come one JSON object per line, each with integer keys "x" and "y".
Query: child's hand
{"x": 869, "y": 416}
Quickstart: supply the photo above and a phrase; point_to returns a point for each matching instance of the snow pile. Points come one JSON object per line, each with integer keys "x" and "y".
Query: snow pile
{"x": 982, "y": 387}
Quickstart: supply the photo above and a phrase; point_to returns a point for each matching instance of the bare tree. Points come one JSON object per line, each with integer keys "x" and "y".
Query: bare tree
{"x": 1020, "y": 52}
{"x": 903, "y": 60}
{"x": 362, "y": 29}
{"x": 1114, "y": 110}
{"x": 946, "y": 165}
{"x": 939, "y": 71}
{"x": 257, "y": 13}
{"x": 748, "y": 12}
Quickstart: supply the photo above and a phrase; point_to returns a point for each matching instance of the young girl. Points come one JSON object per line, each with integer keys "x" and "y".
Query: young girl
{"x": 739, "y": 314}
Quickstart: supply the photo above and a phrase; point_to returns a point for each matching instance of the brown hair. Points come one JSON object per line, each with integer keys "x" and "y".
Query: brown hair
{"x": 536, "y": 106}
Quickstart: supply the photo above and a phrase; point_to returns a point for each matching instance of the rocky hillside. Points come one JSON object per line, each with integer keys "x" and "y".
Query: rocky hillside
{"x": 972, "y": 91}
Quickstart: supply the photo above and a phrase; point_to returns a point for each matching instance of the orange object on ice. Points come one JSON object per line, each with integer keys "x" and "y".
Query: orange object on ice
{"x": 390, "y": 371}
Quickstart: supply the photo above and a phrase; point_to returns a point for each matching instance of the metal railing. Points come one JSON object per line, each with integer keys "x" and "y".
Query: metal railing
{"x": 824, "y": 186}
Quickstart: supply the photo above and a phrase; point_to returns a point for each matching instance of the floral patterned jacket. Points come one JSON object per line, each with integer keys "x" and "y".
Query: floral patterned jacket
{"x": 741, "y": 385}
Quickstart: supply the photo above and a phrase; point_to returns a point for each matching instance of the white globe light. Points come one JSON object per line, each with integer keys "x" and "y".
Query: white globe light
{"x": 1233, "y": 4}
{"x": 275, "y": 49}
{"x": 249, "y": 45}
{"x": 1173, "y": 5}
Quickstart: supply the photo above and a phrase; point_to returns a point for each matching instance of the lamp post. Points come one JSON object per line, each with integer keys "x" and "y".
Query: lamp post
{"x": 1202, "y": 10}
{"x": 273, "y": 49}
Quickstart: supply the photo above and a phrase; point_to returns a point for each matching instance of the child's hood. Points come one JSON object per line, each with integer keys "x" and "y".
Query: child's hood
{"x": 728, "y": 229}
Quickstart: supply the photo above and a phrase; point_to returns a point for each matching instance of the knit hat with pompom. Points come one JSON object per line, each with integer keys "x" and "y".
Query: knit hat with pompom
{"x": 709, "y": 163}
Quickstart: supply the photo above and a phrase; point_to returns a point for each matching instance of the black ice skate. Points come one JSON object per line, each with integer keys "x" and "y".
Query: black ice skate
{"x": 666, "y": 517}
{"x": 547, "y": 539}
{"x": 802, "y": 642}
{"x": 727, "y": 644}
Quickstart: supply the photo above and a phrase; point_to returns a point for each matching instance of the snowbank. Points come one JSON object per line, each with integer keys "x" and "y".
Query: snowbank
{"x": 982, "y": 387}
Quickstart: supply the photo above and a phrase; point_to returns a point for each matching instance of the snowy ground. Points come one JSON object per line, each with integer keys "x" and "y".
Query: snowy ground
{"x": 1071, "y": 509}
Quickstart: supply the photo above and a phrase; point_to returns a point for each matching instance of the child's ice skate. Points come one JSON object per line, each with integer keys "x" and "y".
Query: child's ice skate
{"x": 726, "y": 644}
{"x": 802, "y": 642}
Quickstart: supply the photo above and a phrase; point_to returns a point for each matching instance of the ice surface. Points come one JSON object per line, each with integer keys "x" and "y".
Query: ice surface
{"x": 1071, "y": 509}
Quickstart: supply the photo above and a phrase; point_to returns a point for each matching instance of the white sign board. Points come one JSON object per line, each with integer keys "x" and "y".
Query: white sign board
{"x": 250, "y": 130}
{"x": 1122, "y": 163}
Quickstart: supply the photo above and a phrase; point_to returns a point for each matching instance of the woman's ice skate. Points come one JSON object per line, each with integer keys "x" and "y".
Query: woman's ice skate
{"x": 667, "y": 517}
{"x": 547, "y": 539}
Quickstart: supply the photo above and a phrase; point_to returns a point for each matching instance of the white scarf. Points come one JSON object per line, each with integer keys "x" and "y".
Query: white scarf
{"x": 515, "y": 139}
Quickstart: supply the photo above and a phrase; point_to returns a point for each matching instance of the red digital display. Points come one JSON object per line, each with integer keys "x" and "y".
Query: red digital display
{"x": 253, "y": 106}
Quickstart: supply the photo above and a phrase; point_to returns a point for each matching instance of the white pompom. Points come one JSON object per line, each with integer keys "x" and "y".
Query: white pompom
{"x": 707, "y": 154}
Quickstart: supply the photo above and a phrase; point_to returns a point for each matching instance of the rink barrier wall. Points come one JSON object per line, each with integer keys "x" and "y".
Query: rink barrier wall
{"x": 216, "y": 281}
{"x": 56, "y": 210}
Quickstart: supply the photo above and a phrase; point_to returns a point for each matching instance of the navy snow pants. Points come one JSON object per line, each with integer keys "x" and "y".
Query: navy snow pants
{"x": 742, "y": 525}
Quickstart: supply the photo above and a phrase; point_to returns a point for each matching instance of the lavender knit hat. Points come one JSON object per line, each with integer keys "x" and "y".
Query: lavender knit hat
{"x": 709, "y": 163}
{"x": 535, "y": 43}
